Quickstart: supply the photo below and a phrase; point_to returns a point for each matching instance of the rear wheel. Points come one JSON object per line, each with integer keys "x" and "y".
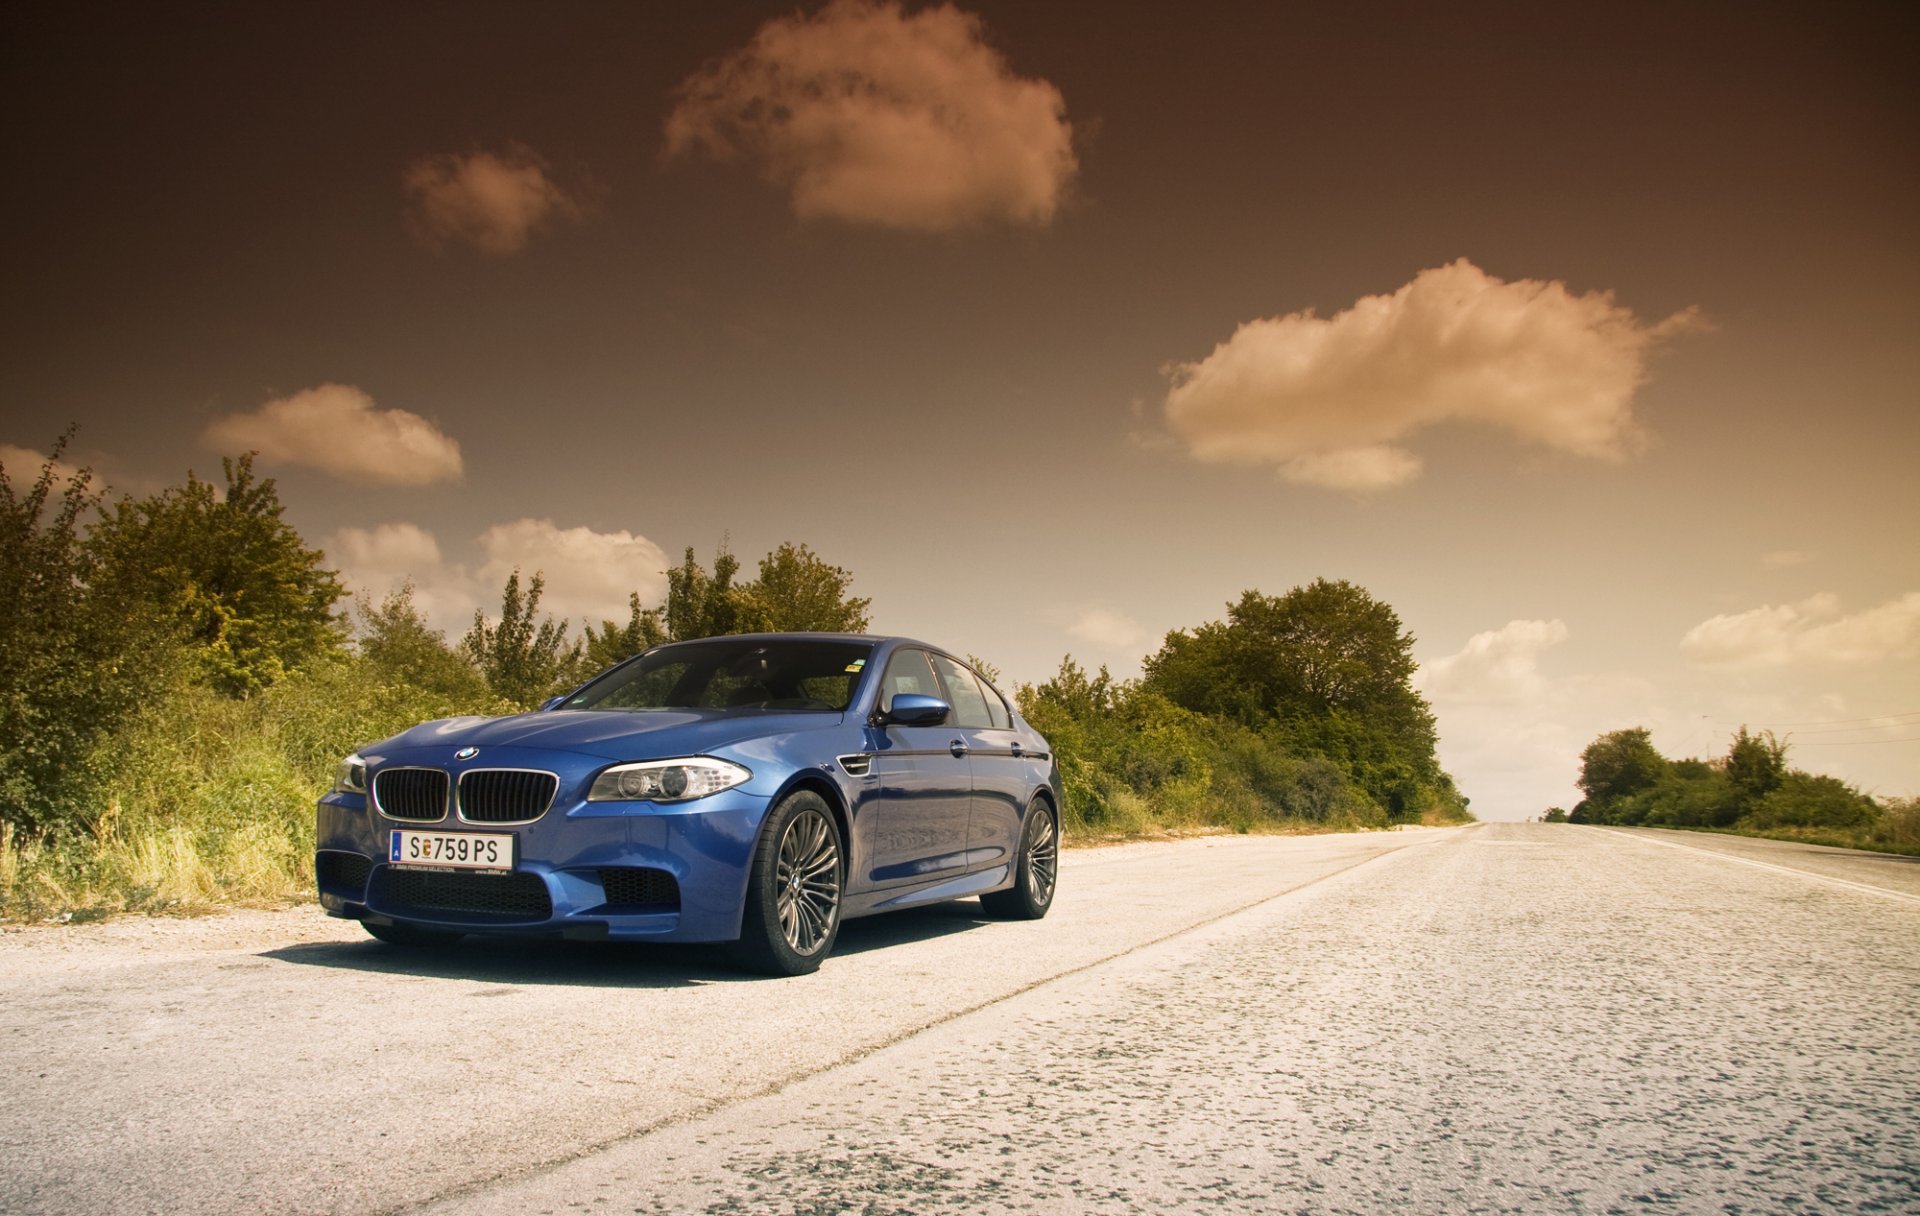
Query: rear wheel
{"x": 793, "y": 890}
{"x": 398, "y": 934}
{"x": 1036, "y": 872}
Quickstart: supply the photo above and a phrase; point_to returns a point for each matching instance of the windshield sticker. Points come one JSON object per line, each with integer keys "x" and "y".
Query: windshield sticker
{"x": 856, "y": 665}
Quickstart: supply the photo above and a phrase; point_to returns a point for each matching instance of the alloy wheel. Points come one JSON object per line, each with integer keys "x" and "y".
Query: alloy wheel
{"x": 807, "y": 875}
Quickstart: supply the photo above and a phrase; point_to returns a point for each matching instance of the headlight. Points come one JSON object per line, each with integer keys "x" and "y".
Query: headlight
{"x": 351, "y": 776}
{"x": 666, "y": 780}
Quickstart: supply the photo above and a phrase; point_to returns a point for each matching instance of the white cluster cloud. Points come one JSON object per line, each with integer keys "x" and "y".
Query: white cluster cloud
{"x": 337, "y": 429}
{"x": 23, "y": 467}
{"x": 868, "y": 114}
{"x": 378, "y": 561}
{"x": 1815, "y": 630}
{"x": 1105, "y": 628}
{"x": 1505, "y": 729}
{"x": 1328, "y": 400}
{"x": 586, "y": 575}
{"x": 490, "y": 201}
{"x": 1497, "y": 665}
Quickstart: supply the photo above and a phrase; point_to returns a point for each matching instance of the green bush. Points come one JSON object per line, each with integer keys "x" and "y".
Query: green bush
{"x": 1131, "y": 760}
{"x": 1803, "y": 800}
{"x": 205, "y": 799}
{"x": 1750, "y": 791}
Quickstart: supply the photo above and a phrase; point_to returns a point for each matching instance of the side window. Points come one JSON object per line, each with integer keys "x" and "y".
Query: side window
{"x": 907, "y": 671}
{"x": 969, "y": 703}
{"x": 996, "y": 708}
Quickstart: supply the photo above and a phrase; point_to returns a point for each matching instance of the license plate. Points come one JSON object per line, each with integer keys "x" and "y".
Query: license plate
{"x": 452, "y": 850}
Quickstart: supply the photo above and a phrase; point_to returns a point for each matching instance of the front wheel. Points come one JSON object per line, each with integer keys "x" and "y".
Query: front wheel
{"x": 1036, "y": 872}
{"x": 793, "y": 890}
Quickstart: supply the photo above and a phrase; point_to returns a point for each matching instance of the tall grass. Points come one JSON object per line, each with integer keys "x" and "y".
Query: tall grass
{"x": 210, "y": 800}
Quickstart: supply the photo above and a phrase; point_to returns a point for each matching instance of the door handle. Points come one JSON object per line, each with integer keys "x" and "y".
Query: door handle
{"x": 958, "y": 747}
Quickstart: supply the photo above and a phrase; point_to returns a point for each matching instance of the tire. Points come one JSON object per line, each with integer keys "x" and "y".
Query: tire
{"x": 1037, "y": 873}
{"x": 400, "y": 934}
{"x": 794, "y": 890}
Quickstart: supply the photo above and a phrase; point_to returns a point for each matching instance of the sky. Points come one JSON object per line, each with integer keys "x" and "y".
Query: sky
{"x": 1585, "y": 337}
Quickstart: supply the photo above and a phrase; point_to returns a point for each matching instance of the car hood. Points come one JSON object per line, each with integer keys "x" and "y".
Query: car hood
{"x": 612, "y": 734}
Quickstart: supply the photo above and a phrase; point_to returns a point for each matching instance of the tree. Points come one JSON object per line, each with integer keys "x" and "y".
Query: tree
{"x": 1755, "y": 766}
{"x": 1331, "y": 669}
{"x": 250, "y": 599}
{"x": 702, "y": 605}
{"x": 74, "y": 666}
{"x": 1555, "y": 815}
{"x": 615, "y": 643}
{"x": 525, "y": 658}
{"x": 1073, "y": 692}
{"x": 1321, "y": 648}
{"x": 397, "y": 642}
{"x": 1615, "y": 766}
{"x": 797, "y": 591}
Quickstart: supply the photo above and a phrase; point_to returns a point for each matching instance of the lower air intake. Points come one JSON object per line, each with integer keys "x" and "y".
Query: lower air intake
{"x": 344, "y": 873}
{"x": 433, "y": 895}
{"x": 639, "y": 887}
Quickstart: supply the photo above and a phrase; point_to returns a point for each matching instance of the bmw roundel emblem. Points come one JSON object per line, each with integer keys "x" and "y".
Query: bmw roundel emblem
{"x": 466, "y": 753}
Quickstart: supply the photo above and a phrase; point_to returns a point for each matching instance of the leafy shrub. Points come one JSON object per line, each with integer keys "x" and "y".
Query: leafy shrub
{"x": 207, "y": 799}
{"x": 1803, "y": 800}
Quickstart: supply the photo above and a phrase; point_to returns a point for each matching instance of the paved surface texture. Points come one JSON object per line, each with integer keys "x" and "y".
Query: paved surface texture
{"x": 1508, "y": 1018}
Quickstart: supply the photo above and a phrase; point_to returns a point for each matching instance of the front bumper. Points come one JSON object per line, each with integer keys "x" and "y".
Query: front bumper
{"x": 589, "y": 870}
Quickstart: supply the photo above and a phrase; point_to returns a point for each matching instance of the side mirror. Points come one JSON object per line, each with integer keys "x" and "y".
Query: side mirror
{"x": 917, "y": 709}
{"x": 552, "y": 703}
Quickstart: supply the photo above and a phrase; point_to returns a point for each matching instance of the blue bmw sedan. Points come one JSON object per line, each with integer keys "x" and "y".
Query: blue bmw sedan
{"x": 756, "y": 789}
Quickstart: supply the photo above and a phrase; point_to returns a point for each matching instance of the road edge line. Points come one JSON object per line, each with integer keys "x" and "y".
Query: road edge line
{"x": 1767, "y": 865}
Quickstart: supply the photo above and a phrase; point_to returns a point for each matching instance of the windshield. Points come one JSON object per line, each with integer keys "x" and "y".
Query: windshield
{"x": 733, "y": 673}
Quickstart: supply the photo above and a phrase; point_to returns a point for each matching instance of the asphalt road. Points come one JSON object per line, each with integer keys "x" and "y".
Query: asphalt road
{"x": 1524, "y": 1018}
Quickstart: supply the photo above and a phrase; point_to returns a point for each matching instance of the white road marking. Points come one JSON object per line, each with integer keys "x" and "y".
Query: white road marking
{"x": 1767, "y": 865}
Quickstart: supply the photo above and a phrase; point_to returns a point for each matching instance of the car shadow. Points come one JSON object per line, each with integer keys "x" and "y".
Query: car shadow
{"x": 910, "y": 925}
{"x": 524, "y": 961}
{"x": 508, "y": 960}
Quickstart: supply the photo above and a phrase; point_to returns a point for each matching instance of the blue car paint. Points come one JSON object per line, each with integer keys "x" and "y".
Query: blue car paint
{"x": 911, "y": 835}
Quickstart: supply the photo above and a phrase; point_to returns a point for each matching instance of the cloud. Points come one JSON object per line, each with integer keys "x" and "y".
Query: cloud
{"x": 379, "y": 561}
{"x": 586, "y": 573}
{"x": 492, "y": 202}
{"x": 1107, "y": 628}
{"x": 337, "y": 429}
{"x": 23, "y": 467}
{"x": 1498, "y": 665}
{"x": 1375, "y": 467}
{"x": 1327, "y": 400}
{"x": 870, "y": 115}
{"x": 1815, "y": 630}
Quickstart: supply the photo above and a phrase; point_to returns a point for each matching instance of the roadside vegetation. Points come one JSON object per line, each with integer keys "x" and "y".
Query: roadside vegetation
{"x": 1750, "y": 791}
{"x": 1296, "y": 712}
{"x": 180, "y": 673}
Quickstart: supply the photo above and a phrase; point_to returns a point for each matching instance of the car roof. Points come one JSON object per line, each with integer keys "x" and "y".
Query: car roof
{"x": 804, "y": 636}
